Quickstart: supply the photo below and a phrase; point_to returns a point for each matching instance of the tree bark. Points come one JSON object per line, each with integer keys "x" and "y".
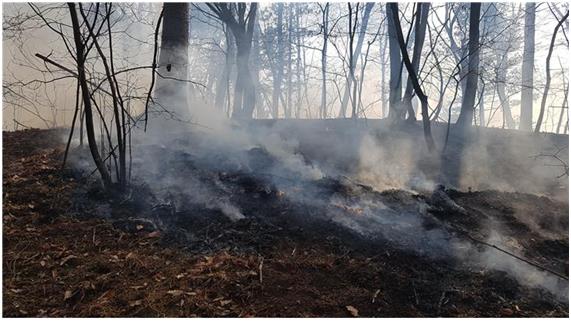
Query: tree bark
{"x": 289, "y": 64}
{"x": 298, "y": 78}
{"x": 92, "y": 141}
{"x": 526, "y": 112}
{"x": 395, "y": 87}
{"x": 419, "y": 35}
{"x": 325, "y": 22}
{"x": 355, "y": 56}
{"x": 242, "y": 23}
{"x": 469, "y": 98}
{"x": 548, "y": 73}
{"x": 501, "y": 50}
{"x": 383, "y": 50}
{"x": 278, "y": 75}
{"x": 563, "y": 107}
{"x": 223, "y": 81}
{"x": 392, "y": 9}
{"x": 171, "y": 92}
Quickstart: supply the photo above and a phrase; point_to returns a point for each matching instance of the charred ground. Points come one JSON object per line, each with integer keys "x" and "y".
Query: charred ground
{"x": 70, "y": 250}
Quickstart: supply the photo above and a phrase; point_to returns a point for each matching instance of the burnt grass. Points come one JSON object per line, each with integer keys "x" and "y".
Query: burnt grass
{"x": 72, "y": 250}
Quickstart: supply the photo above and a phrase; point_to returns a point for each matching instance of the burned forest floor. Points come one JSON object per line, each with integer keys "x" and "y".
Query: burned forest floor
{"x": 70, "y": 250}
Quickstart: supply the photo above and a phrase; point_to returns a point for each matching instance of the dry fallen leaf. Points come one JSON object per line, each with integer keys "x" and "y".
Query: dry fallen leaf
{"x": 175, "y": 292}
{"x": 135, "y": 303}
{"x": 352, "y": 310}
{"x": 68, "y": 294}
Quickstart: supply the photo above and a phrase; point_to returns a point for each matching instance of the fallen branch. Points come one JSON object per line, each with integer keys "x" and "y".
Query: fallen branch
{"x": 260, "y": 267}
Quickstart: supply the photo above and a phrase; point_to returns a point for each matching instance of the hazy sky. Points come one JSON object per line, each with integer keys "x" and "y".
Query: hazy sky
{"x": 55, "y": 101}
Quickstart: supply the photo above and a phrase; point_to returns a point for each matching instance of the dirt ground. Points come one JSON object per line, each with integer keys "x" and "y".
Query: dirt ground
{"x": 59, "y": 262}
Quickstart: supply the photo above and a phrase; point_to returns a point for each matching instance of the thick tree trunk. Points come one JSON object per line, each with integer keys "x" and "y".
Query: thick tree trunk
{"x": 244, "y": 89}
{"x": 171, "y": 92}
{"x": 469, "y": 98}
{"x": 526, "y": 113}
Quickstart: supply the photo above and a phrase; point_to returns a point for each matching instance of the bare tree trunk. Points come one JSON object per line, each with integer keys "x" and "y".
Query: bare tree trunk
{"x": 453, "y": 11}
{"x": 278, "y": 70}
{"x": 355, "y": 56}
{"x": 392, "y": 10}
{"x": 383, "y": 50}
{"x": 501, "y": 50}
{"x": 81, "y": 123}
{"x": 504, "y": 100}
{"x": 256, "y": 64}
{"x": 526, "y": 113}
{"x": 222, "y": 86}
{"x": 325, "y": 22}
{"x": 468, "y": 101}
{"x": 548, "y": 73}
{"x": 563, "y": 107}
{"x": 482, "y": 106}
{"x": 298, "y": 78}
{"x": 105, "y": 176}
{"x": 289, "y": 65}
{"x": 242, "y": 23}
{"x": 118, "y": 106}
{"x": 244, "y": 94}
{"x": 171, "y": 93}
{"x": 419, "y": 34}
{"x": 395, "y": 88}
{"x": 352, "y": 61}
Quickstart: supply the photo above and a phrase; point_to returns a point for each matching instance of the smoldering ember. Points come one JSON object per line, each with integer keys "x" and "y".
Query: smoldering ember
{"x": 276, "y": 159}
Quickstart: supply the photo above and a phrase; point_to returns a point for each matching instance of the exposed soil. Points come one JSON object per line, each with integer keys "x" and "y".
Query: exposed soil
{"x": 69, "y": 250}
